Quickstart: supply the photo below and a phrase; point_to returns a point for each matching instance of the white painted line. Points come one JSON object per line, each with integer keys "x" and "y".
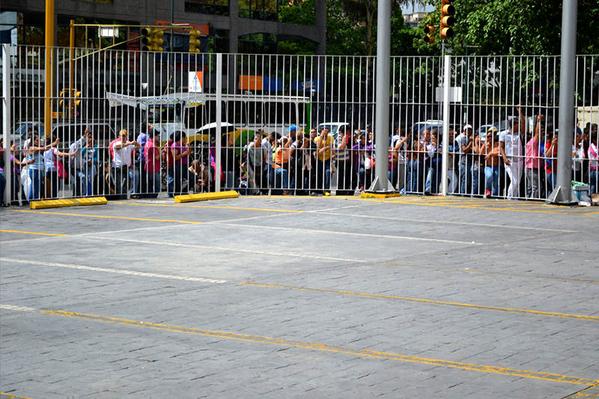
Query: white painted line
{"x": 345, "y": 233}
{"x": 501, "y": 226}
{"x": 224, "y": 249}
{"x": 114, "y": 271}
{"x": 16, "y": 308}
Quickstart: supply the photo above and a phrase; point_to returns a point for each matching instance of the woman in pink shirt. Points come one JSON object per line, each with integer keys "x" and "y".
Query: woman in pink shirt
{"x": 593, "y": 162}
{"x": 152, "y": 163}
{"x": 532, "y": 162}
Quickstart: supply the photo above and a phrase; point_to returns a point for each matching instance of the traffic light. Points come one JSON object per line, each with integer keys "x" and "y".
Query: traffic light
{"x": 447, "y": 19}
{"x": 429, "y": 34}
{"x": 152, "y": 39}
{"x": 194, "y": 41}
{"x": 70, "y": 99}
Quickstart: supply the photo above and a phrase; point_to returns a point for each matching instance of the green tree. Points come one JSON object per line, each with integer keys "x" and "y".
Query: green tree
{"x": 516, "y": 27}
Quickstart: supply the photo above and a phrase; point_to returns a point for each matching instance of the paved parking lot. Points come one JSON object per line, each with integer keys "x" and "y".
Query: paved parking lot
{"x": 283, "y": 297}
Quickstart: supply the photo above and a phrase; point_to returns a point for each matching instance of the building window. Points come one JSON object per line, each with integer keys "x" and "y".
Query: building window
{"x": 213, "y": 7}
{"x": 266, "y": 10}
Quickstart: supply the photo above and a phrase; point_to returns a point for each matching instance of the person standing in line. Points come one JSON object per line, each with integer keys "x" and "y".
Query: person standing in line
{"x": 593, "y": 163}
{"x": 452, "y": 150}
{"x": 151, "y": 152}
{"x": 89, "y": 158}
{"x": 256, "y": 161}
{"x": 268, "y": 143}
{"x": 551, "y": 161}
{"x": 122, "y": 161}
{"x": 464, "y": 143}
{"x": 143, "y": 138}
{"x": 76, "y": 162}
{"x": 180, "y": 155}
{"x": 324, "y": 152}
{"x": 36, "y": 166}
{"x": 343, "y": 160}
{"x": 281, "y": 165}
{"x": 51, "y": 161}
{"x": 399, "y": 161}
{"x": 532, "y": 162}
{"x": 478, "y": 151}
{"x": 511, "y": 152}
{"x": 492, "y": 153}
{"x": 2, "y": 175}
{"x": 433, "y": 160}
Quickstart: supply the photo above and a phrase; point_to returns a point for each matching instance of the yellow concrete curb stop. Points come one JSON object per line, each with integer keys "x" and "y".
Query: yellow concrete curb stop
{"x": 382, "y": 195}
{"x": 62, "y": 203}
{"x": 206, "y": 196}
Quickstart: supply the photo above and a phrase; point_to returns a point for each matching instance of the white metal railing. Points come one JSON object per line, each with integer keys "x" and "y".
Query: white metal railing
{"x": 253, "y": 123}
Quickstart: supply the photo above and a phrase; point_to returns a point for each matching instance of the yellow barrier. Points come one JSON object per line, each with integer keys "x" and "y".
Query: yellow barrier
{"x": 375, "y": 195}
{"x": 206, "y": 196}
{"x": 61, "y": 203}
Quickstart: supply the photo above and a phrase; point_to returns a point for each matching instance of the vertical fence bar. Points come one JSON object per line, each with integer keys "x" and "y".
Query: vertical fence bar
{"x": 6, "y": 119}
{"x": 446, "y": 83}
{"x": 219, "y": 109}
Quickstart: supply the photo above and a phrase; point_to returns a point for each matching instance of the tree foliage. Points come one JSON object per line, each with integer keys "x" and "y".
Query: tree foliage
{"x": 482, "y": 27}
{"x": 517, "y": 27}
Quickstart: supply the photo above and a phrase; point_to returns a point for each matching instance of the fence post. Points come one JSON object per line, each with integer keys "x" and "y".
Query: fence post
{"x": 567, "y": 79}
{"x": 219, "y": 101}
{"x": 6, "y": 128}
{"x": 381, "y": 182}
{"x": 445, "y": 154}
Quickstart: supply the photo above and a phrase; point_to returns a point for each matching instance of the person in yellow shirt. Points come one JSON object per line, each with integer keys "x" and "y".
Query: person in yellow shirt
{"x": 281, "y": 164}
{"x": 324, "y": 153}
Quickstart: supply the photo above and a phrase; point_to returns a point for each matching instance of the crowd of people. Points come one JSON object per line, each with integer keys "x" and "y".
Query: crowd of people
{"x": 515, "y": 163}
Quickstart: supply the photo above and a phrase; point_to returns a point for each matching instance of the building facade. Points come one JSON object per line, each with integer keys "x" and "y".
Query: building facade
{"x": 230, "y": 20}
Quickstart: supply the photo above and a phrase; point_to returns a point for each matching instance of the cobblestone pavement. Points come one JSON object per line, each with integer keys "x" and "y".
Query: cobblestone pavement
{"x": 282, "y": 297}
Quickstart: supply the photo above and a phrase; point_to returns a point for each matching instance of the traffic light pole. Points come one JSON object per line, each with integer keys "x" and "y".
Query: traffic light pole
{"x": 6, "y": 120}
{"x": 381, "y": 183}
{"x": 562, "y": 194}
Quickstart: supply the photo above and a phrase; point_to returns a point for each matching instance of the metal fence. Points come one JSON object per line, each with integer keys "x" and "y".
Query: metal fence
{"x": 128, "y": 123}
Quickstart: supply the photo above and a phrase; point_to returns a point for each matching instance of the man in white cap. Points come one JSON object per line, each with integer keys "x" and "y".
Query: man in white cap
{"x": 463, "y": 143}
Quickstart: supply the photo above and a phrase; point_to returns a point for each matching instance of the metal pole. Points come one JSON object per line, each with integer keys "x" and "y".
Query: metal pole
{"x": 381, "y": 182}
{"x": 563, "y": 190}
{"x": 6, "y": 81}
{"x": 48, "y": 48}
{"x": 71, "y": 70}
{"x": 219, "y": 101}
{"x": 172, "y": 23}
{"x": 446, "y": 84}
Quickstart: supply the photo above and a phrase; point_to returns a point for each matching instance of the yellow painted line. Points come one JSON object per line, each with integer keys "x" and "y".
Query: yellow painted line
{"x": 115, "y": 217}
{"x": 33, "y": 233}
{"x": 6, "y": 395}
{"x": 591, "y": 392}
{"x": 61, "y": 203}
{"x": 206, "y": 196}
{"x": 227, "y": 207}
{"x": 423, "y": 300}
{"x": 322, "y": 347}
